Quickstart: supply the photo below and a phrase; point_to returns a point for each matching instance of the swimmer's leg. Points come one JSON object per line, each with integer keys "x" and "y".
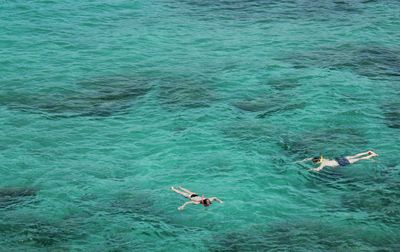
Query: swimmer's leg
{"x": 186, "y": 190}
{"x": 179, "y": 192}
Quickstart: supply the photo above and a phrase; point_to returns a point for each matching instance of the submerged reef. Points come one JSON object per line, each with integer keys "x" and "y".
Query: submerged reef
{"x": 371, "y": 61}
{"x": 249, "y": 132}
{"x": 15, "y": 196}
{"x": 251, "y": 105}
{"x": 304, "y": 235}
{"x": 380, "y": 201}
{"x": 132, "y": 203}
{"x": 133, "y": 214}
{"x": 281, "y": 109}
{"x": 31, "y": 232}
{"x": 269, "y": 11}
{"x": 391, "y": 112}
{"x": 285, "y": 83}
{"x": 136, "y": 206}
{"x": 325, "y": 141}
{"x": 184, "y": 93}
{"x": 269, "y": 105}
{"x": 99, "y": 97}
{"x": 108, "y": 96}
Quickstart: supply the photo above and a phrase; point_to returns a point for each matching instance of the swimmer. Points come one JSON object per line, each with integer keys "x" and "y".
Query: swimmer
{"x": 194, "y": 198}
{"x": 340, "y": 161}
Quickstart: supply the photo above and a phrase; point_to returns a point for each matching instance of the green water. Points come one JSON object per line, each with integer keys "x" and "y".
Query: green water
{"x": 104, "y": 105}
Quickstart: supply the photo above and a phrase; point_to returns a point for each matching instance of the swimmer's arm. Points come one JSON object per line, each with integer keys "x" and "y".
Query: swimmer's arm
{"x": 216, "y": 199}
{"x": 183, "y": 206}
{"x": 364, "y": 153}
{"x": 318, "y": 168}
{"x": 304, "y": 160}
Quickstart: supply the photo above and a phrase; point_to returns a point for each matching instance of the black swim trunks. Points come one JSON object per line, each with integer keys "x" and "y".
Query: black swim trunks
{"x": 342, "y": 161}
{"x": 193, "y": 195}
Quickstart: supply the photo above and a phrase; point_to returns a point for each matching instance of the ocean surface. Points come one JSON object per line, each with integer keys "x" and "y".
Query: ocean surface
{"x": 104, "y": 105}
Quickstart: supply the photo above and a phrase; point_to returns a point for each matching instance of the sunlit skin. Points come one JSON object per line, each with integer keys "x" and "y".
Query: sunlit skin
{"x": 334, "y": 163}
{"x": 193, "y": 198}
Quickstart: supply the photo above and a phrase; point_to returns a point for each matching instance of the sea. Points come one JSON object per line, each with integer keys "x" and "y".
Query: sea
{"x": 104, "y": 105}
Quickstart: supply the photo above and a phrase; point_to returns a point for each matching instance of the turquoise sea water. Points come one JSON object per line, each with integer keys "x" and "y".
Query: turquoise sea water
{"x": 104, "y": 105}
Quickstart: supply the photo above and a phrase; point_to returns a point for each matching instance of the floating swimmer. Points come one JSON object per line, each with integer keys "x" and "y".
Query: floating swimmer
{"x": 340, "y": 161}
{"x": 194, "y": 198}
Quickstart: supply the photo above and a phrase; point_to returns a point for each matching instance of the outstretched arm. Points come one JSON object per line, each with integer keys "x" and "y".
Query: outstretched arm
{"x": 304, "y": 160}
{"x": 363, "y": 153}
{"x": 318, "y": 168}
{"x": 360, "y": 154}
{"x": 216, "y": 199}
{"x": 362, "y": 158}
{"x": 367, "y": 153}
{"x": 184, "y": 205}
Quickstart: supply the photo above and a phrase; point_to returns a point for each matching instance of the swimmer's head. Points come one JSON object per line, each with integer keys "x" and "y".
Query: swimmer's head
{"x": 206, "y": 202}
{"x": 317, "y": 160}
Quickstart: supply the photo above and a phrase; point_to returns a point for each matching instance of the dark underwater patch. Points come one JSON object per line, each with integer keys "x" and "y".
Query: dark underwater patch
{"x": 251, "y": 106}
{"x": 93, "y": 98}
{"x": 184, "y": 93}
{"x": 145, "y": 219}
{"x": 271, "y": 11}
{"x": 15, "y": 196}
{"x": 285, "y": 84}
{"x": 17, "y": 192}
{"x": 285, "y": 237}
{"x": 391, "y": 112}
{"x": 282, "y": 109}
{"x": 380, "y": 201}
{"x": 269, "y": 105}
{"x": 228, "y": 5}
{"x": 325, "y": 141}
{"x": 376, "y": 61}
{"x": 131, "y": 204}
{"x": 346, "y": 6}
{"x": 135, "y": 206}
{"x": 371, "y": 61}
{"x": 307, "y": 235}
{"x": 249, "y": 132}
{"x": 45, "y": 235}
{"x": 36, "y": 233}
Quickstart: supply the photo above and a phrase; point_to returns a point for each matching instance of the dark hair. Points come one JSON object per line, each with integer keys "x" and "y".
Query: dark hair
{"x": 206, "y": 202}
{"x": 316, "y": 159}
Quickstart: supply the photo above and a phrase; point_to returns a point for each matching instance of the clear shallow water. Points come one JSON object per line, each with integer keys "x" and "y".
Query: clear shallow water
{"x": 105, "y": 105}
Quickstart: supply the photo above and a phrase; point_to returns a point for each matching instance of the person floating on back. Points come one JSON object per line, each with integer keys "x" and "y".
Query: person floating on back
{"x": 194, "y": 198}
{"x": 339, "y": 161}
